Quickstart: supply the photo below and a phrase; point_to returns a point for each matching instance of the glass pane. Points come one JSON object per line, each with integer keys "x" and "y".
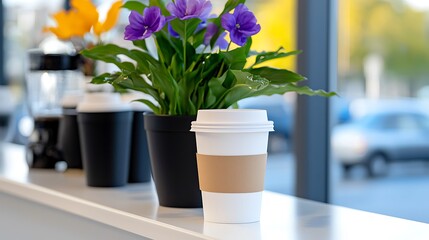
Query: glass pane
{"x": 278, "y": 30}
{"x": 380, "y": 142}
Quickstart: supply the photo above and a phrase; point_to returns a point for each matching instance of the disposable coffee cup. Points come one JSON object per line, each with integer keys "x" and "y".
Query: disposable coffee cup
{"x": 231, "y": 156}
{"x": 68, "y": 135}
{"x": 139, "y": 171}
{"x": 105, "y": 134}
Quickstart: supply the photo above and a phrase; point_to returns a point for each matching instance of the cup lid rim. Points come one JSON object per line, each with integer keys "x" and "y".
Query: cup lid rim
{"x": 264, "y": 123}
{"x": 233, "y": 128}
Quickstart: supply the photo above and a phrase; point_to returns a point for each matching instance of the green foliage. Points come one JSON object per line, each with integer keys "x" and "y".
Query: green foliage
{"x": 135, "y": 5}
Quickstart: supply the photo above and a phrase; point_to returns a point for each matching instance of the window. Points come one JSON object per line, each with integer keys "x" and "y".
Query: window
{"x": 382, "y": 61}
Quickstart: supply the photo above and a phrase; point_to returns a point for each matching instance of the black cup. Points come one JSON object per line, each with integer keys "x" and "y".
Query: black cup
{"x": 139, "y": 160}
{"x": 68, "y": 139}
{"x": 105, "y": 141}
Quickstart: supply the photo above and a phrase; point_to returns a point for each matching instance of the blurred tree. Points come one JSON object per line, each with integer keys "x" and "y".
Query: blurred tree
{"x": 389, "y": 28}
{"x": 277, "y": 19}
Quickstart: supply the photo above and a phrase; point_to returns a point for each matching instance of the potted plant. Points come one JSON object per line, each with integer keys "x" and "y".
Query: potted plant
{"x": 190, "y": 67}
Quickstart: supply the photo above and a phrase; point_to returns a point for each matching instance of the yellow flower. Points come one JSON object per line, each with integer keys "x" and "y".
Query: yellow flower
{"x": 81, "y": 18}
{"x": 111, "y": 19}
{"x": 64, "y": 28}
{"x": 86, "y": 11}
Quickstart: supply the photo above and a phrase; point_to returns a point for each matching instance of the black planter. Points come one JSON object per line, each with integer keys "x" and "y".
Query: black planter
{"x": 172, "y": 149}
{"x": 139, "y": 159}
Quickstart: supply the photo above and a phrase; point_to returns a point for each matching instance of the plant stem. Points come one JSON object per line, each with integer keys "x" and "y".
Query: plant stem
{"x": 185, "y": 39}
{"x": 158, "y": 49}
{"x": 223, "y": 62}
{"x": 191, "y": 68}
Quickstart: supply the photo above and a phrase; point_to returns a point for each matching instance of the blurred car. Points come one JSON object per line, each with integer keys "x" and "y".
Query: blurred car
{"x": 278, "y": 110}
{"x": 380, "y": 138}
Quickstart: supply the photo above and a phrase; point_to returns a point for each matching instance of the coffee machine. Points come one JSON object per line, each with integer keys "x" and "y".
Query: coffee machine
{"x": 50, "y": 77}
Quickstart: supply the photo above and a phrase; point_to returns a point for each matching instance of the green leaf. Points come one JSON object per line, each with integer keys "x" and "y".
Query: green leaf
{"x": 190, "y": 54}
{"x": 245, "y": 85}
{"x": 128, "y": 66}
{"x": 151, "y": 105}
{"x": 185, "y": 28}
{"x": 211, "y": 65}
{"x": 231, "y": 4}
{"x": 238, "y": 92}
{"x": 281, "y": 89}
{"x": 165, "y": 83}
{"x": 109, "y": 53}
{"x": 247, "y": 46}
{"x": 140, "y": 83}
{"x": 277, "y": 76}
{"x": 266, "y": 56}
{"x": 198, "y": 38}
{"x": 174, "y": 67}
{"x": 173, "y": 42}
{"x": 255, "y": 82}
{"x": 230, "y": 80}
{"x": 161, "y": 5}
{"x": 143, "y": 56}
{"x": 103, "y": 78}
{"x": 140, "y": 44}
{"x": 235, "y": 59}
{"x": 143, "y": 59}
{"x": 165, "y": 49}
{"x": 135, "y": 6}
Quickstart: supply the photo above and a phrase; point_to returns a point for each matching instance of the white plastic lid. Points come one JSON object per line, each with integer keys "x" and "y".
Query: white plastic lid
{"x": 102, "y": 102}
{"x": 232, "y": 116}
{"x": 71, "y": 100}
{"x": 233, "y": 130}
{"x": 232, "y": 120}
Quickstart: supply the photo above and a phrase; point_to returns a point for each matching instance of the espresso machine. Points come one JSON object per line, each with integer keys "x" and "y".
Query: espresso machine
{"x": 49, "y": 78}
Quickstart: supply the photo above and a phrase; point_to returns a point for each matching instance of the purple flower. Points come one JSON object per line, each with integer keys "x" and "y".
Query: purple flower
{"x": 186, "y": 9}
{"x": 221, "y": 42}
{"x": 241, "y": 24}
{"x": 211, "y": 31}
{"x": 142, "y": 26}
{"x": 172, "y": 32}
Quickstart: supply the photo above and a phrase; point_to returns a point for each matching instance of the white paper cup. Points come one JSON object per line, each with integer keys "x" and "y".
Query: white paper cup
{"x": 232, "y": 231}
{"x": 105, "y": 134}
{"x": 102, "y": 102}
{"x": 229, "y": 144}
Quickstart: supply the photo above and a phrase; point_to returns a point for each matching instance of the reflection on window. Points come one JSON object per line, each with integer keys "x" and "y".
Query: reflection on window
{"x": 383, "y": 54}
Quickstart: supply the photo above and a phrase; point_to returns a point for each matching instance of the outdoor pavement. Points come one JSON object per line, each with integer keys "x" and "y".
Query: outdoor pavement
{"x": 403, "y": 192}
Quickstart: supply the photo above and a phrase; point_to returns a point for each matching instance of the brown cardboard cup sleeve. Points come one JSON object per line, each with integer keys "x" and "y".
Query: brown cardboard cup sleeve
{"x": 231, "y": 174}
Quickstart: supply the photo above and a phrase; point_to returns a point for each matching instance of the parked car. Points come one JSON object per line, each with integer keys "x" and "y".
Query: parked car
{"x": 380, "y": 138}
{"x": 278, "y": 110}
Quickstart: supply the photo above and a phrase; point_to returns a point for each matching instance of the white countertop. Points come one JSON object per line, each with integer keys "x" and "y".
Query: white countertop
{"x": 134, "y": 209}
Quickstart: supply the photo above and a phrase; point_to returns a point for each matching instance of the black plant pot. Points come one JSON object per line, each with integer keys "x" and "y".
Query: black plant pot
{"x": 105, "y": 140}
{"x": 172, "y": 149}
{"x": 139, "y": 159}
